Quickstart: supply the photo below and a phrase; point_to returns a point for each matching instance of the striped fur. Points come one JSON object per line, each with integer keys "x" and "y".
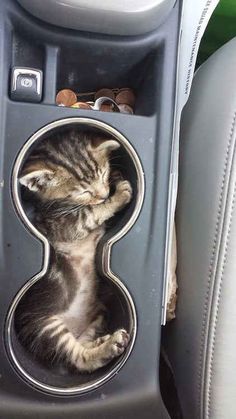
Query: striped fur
{"x": 60, "y": 318}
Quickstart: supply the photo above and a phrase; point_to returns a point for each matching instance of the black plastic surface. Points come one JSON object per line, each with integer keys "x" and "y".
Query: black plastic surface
{"x": 138, "y": 258}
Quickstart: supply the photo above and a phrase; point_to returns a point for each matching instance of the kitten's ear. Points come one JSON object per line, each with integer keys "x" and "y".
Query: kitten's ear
{"x": 106, "y": 146}
{"x": 36, "y": 175}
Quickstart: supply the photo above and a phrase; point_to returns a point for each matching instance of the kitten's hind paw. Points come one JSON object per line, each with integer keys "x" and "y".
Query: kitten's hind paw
{"x": 119, "y": 342}
{"x": 102, "y": 353}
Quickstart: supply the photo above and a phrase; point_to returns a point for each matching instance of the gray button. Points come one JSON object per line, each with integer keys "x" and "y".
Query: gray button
{"x": 26, "y": 84}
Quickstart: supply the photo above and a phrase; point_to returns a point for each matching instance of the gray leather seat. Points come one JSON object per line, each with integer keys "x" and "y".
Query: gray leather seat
{"x": 201, "y": 342}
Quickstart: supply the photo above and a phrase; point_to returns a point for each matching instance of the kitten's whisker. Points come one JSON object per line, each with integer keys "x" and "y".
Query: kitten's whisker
{"x": 116, "y": 165}
{"x": 115, "y": 157}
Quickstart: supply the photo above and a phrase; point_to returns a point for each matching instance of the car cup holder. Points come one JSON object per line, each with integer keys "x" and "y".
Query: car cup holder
{"x": 57, "y": 380}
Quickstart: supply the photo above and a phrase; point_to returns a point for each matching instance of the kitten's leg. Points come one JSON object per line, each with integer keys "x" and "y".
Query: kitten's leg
{"x": 89, "y": 338}
{"x": 107, "y": 348}
{"x": 95, "y": 343}
{"x": 115, "y": 203}
{"x": 76, "y": 353}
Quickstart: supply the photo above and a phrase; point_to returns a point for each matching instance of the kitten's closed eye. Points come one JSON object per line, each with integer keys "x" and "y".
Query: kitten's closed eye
{"x": 84, "y": 193}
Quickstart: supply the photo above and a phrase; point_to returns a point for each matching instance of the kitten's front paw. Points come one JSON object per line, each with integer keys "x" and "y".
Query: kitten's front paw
{"x": 124, "y": 191}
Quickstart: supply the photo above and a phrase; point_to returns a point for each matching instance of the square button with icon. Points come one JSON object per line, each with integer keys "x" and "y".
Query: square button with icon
{"x": 26, "y": 84}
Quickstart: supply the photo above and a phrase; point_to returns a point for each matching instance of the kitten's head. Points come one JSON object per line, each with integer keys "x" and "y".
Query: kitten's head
{"x": 75, "y": 172}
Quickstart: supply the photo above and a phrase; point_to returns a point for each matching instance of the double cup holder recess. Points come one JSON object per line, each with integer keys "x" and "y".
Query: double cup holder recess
{"x": 131, "y": 256}
{"x": 122, "y": 311}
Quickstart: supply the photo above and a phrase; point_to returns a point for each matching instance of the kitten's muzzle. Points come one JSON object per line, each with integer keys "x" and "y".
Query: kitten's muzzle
{"x": 100, "y": 200}
{"x": 103, "y": 196}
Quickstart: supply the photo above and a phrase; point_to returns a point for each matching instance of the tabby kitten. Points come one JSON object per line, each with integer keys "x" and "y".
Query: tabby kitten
{"x": 60, "y": 317}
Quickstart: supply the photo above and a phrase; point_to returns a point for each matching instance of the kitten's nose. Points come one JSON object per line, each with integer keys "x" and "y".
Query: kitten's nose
{"x": 103, "y": 195}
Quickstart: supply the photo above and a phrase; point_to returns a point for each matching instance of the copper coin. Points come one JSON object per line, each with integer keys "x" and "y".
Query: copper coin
{"x": 125, "y": 108}
{"x": 81, "y": 105}
{"x": 126, "y": 96}
{"x": 106, "y": 107}
{"x": 104, "y": 92}
{"x": 66, "y": 97}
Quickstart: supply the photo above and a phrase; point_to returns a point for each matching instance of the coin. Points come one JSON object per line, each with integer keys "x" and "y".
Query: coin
{"x": 124, "y": 108}
{"x": 66, "y": 97}
{"x": 81, "y": 105}
{"x": 106, "y": 107}
{"x": 125, "y": 96}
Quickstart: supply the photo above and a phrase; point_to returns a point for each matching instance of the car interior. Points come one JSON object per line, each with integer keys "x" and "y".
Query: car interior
{"x": 110, "y": 69}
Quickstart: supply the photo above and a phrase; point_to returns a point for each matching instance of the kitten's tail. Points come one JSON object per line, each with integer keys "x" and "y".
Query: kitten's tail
{"x": 85, "y": 356}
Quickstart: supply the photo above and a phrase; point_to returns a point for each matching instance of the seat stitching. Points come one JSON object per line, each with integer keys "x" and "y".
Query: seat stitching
{"x": 213, "y": 259}
{"x": 215, "y": 320}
